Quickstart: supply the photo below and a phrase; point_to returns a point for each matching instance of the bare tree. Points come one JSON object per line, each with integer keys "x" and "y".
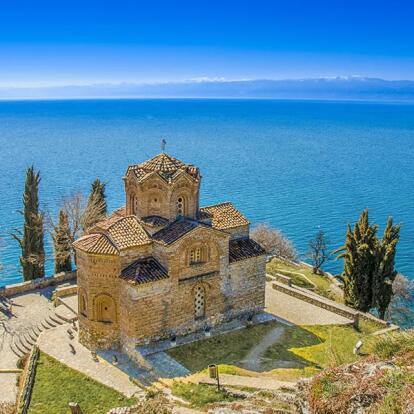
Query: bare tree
{"x": 400, "y": 307}
{"x": 318, "y": 252}
{"x": 82, "y": 213}
{"x": 274, "y": 242}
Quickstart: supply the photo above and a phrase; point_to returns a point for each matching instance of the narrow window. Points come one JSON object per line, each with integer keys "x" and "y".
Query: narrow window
{"x": 197, "y": 255}
{"x": 199, "y": 302}
{"x": 181, "y": 206}
{"x": 133, "y": 204}
{"x": 83, "y": 307}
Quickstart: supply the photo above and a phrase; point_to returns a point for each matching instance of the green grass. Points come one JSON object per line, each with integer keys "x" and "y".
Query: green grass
{"x": 388, "y": 346}
{"x": 336, "y": 346}
{"x": 322, "y": 283}
{"x": 198, "y": 395}
{"x": 56, "y": 385}
{"x": 226, "y": 349}
{"x": 308, "y": 348}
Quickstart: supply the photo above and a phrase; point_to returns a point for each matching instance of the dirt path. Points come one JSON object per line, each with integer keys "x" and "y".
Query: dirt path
{"x": 253, "y": 360}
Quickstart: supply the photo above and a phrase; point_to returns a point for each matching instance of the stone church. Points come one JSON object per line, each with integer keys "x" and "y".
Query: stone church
{"x": 162, "y": 266}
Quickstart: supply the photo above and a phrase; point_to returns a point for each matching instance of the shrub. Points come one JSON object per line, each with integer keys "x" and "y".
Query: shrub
{"x": 393, "y": 344}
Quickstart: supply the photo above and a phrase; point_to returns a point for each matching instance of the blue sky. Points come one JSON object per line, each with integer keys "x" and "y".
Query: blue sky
{"x": 66, "y": 42}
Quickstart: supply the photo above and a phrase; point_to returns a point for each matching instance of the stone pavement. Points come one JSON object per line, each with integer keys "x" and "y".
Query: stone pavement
{"x": 29, "y": 311}
{"x": 298, "y": 311}
{"x": 260, "y": 383}
{"x": 55, "y": 342}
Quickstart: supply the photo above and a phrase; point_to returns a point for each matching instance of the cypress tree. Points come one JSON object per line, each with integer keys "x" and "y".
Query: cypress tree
{"x": 97, "y": 195}
{"x": 385, "y": 273}
{"x": 30, "y": 240}
{"x": 62, "y": 244}
{"x": 359, "y": 254}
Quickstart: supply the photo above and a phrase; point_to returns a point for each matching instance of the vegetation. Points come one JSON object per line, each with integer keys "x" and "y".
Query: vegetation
{"x": 198, "y": 395}
{"x": 400, "y": 309}
{"x": 30, "y": 240}
{"x": 82, "y": 214}
{"x": 61, "y": 236}
{"x": 274, "y": 242}
{"x": 384, "y": 272}
{"x": 369, "y": 265}
{"x": 306, "y": 349}
{"x": 301, "y": 275}
{"x": 394, "y": 344}
{"x": 96, "y": 208}
{"x": 56, "y": 385}
{"x": 383, "y": 383}
{"x": 318, "y": 253}
{"x": 226, "y": 349}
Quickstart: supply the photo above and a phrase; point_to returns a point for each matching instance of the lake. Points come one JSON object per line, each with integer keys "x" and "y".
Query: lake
{"x": 297, "y": 165}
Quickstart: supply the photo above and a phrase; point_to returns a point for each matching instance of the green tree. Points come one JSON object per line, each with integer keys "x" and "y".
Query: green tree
{"x": 384, "y": 272}
{"x": 31, "y": 238}
{"x": 97, "y": 195}
{"x": 359, "y": 254}
{"x": 61, "y": 236}
{"x": 96, "y": 208}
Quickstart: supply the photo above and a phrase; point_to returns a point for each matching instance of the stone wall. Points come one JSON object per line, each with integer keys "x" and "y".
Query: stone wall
{"x": 245, "y": 289}
{"x": 23, "y": 287}
{"x": 98, "y": 290}
{"x": 327, "y": 304}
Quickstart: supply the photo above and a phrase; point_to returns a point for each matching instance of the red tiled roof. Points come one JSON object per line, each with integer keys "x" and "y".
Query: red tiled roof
{"x": 224, "y": 216}
{"x": 96, "y": 243}
{"x": 163, "y": 164}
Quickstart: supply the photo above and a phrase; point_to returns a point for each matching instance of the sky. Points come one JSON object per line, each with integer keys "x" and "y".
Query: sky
{"x": 83, "y": 42}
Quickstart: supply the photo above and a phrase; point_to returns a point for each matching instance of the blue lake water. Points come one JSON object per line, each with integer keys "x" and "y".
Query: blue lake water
{"x": 298, "y": 165}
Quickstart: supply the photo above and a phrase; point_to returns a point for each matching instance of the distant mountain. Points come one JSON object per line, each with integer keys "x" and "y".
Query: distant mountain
{"x": 349, "y": 88}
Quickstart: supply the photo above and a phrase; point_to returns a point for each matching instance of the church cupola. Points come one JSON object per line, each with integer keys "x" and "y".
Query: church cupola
{"x": 162, "y": 187}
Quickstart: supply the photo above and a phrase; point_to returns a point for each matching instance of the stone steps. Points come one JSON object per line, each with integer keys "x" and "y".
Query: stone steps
{"x": 24, "y": 342}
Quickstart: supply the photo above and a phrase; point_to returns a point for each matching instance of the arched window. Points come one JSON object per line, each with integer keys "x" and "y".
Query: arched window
{"x": 83, "y": 308}
{"x": 199, "y": 302}
{"x": 105, "y": 309}
{"x": 181, "y": 206}
{"x": 133, "y": 203}
{"x": 198, "y": 254}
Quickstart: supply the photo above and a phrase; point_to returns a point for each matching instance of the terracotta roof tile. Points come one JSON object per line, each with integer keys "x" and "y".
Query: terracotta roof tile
{"x": 163, "y": 164}
{"x": 96, "y": 243}
{"x": 144, "y": 270}
{"x": 241, "y": 249}
{"x": 127, "y": 232}
{"x": 224, "y": 216}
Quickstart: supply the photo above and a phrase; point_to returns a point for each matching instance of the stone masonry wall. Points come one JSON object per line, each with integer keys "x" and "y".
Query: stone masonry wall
{"x": 98, "y": 281}
{"x": 245, "y": 289}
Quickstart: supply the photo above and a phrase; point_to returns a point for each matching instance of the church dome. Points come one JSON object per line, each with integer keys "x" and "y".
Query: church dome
{"x": 163, "y": 164}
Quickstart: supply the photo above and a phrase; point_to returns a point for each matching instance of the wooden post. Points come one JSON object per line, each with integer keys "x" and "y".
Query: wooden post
{"x": 75, "y": 408}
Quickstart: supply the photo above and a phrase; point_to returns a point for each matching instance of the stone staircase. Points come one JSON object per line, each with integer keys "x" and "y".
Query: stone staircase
{"x": 24, "y": 342}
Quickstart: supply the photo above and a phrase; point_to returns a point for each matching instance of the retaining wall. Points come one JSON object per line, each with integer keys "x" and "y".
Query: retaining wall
{"x": 10, "y": 290}
{"x": 328, "y": 304}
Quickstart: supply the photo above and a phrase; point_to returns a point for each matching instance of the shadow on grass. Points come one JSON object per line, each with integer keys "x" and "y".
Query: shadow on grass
{"x": 233, "y": 348}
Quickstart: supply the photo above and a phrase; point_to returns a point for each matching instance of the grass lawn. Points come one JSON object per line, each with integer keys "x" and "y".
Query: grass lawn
{"x": 199, "y": 395}
{"x": 322, "y": 283}
{"x": 230, "y": 349}
{"x": 310, "y": 348}
{"x": 56, "y": 385}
